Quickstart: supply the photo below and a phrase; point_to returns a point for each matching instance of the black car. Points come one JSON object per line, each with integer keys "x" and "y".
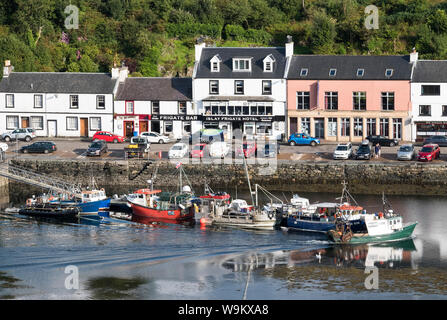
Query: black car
{"x": 97, "y": 148}
{"x": 39, "y": 147}
{"x": 383, "y": 141}
{"x": 363, "y": 152}
{"x": 439, "y": 140}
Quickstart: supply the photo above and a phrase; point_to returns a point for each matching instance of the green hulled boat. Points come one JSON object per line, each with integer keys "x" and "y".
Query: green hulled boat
{"x": 346, "y": 238}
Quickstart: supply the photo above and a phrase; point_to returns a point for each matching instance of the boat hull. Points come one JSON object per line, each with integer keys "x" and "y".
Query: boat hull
{"x": 51, "y": 212}
{"x": 175, "y": 214}
{"x": 94, "y": 206}
{"x": 320, "y": 226}
{"x": 405, "y": 233}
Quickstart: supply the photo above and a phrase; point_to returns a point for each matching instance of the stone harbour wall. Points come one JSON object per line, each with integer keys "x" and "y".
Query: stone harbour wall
{"x": 407, "y": 178}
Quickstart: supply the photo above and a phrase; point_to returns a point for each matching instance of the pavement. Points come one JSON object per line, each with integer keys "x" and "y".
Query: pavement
{"x": 75, "y": 149}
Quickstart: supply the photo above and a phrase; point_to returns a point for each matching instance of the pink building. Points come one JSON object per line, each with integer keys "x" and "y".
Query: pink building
{"x": 346, "y": 98}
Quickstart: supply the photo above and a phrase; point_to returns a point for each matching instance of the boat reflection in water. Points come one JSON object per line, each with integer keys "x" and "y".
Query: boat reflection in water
{"x": 160, "y": 223}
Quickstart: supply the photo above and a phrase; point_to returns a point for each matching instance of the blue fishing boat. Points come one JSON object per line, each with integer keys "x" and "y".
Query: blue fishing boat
{"x": 90, "y": 203}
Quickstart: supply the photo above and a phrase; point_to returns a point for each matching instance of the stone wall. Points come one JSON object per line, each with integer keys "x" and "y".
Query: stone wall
{"x": 362, "y": 177}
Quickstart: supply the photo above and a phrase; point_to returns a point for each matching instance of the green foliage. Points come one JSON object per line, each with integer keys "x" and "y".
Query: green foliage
{"x": 235, "y": 32}
{"x": 322, "y": 37}
{"x": 191, "y": 29}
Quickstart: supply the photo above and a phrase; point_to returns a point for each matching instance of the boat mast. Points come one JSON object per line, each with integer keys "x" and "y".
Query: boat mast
{"x": 248, "y": 179}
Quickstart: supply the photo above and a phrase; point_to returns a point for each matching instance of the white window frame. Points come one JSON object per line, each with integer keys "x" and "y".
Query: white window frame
{"x": 391, "y": 71}
{"x": 74, "y": 101}
{"x": 332, "y": 72}
{"x": 214, "y": 84}
{"x": 268, "y": 84}
{"x": 74, "y": 128}
{"x": 15, "y": 125}
{"x": 130, "y": 103}
{"x": 39, "y": 125}
{"x": 99, "y": 124}
{"x": 9, "y": 101}
{"x": 304, "y": 72}
{"x": 98, "y": 98}
{"x": 181, "y": 109}
{"x": 36, "y": 106}
{"x": 239, "y": 87}
{"x": 246, "y": 62}
{"x": 360, "y": 72}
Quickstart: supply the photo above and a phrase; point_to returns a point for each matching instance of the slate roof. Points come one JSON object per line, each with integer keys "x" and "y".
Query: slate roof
{"x": 430, "y": 71}
{"x": 58, "y": 82}
{"x": 162, "y": 89}
{"x": 226, "y": 67}
{"x": 375, "y": 66}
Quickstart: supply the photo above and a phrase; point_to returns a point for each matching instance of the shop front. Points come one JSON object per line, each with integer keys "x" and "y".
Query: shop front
{"x": 425, "y": 129}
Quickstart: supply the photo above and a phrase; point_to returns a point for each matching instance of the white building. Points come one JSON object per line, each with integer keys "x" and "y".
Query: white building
{"x": 241, "y": 88}
{"x": 160, "y": 105}
{"x": 58, "y": 104}
{"x": 429, "y": 99}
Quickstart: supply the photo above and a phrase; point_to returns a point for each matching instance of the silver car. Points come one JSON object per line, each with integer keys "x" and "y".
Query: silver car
{"x": 406, "y": 152}
{"x": 26, "y": 134}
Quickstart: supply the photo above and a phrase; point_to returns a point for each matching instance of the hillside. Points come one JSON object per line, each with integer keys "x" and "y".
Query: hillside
{"x": 156, "y": 37}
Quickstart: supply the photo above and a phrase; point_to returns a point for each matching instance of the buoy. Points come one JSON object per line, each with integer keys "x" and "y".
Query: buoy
{"x": 202, "y": 220}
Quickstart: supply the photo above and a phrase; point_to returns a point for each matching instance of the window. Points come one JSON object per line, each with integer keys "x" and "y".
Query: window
{"x": 384, "y": 127}
{"x": 12, "y": 122}
{"x": 215, "y": 66}
{"x": 430, "y": 90}
{"x": 360, "y": 72}
{"x": 38, "y": 101}
{"x": 155, "y": 107}
{"x": 425, "y": 110}
{"x": 214, "y": 109}
{"x": 267, "y": 87}
{"x": 254, "y": 110}
{"x": 222, "y": 109}
{"x": 238, "y": 110}
{"x": 269, "y": 110}
{"x": 303, "y": 100}
{"x": 74, "y": 102}
{"x": 9, "y": 101}
{"x": 359, "y": 100}
{"x": 332, "y": 127}
{"x": 388, "y": 72}
{"x": 371, "y": 127}
{"x": 303, "y": 72}
{"x": 231, "y": 110}
{"x": 186, "y": 127}
{"x": 268, "y": 66}
{"x": 345, "y": 127}
{"x": 245, "y": 110}
{"x": 444, "y": 111}
{"x": 182, "y": 107}
{"x": 95, "y": 124}
{"x": 331, "y": 100}
{"x": 358, "y": 127}
{"x": 261, "y": 110}
{"x": 100, "y": 102}
{"x": 214, "y": 86}
{"x": 397, "y": 128}
{"x": 37, "y": 123}
{"x": 241, "y": 65}
{"x": 332, "y": 72}
{"x": 129, "y": 107}
{"x": 168, "y": 126}
{"x": 387, "y": 101}
{"x": 305, "y": 125}
{"x": 239, "y": 87}
{"x": 72, "y": 123}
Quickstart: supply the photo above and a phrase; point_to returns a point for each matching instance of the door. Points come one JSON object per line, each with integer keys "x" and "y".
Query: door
{"x": 25, "y": 122}
{"x": 128, "y": 129}
{"x": 319, "y": 128}
{"x": 155, "y": 126}
{"x": 52, "y": 128}
{"x": 84, "y": 127}
{"x": 143, "y": 126}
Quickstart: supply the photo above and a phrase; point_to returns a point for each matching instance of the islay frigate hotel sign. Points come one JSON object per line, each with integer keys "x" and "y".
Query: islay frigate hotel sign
{"x": 166, "y": 117}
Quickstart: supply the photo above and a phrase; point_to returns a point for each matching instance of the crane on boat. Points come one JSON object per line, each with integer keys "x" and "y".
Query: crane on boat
{"x": 29, "y": 177}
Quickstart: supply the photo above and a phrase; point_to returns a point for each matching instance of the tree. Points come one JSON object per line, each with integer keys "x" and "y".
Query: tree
{"x": 322, "y": 37}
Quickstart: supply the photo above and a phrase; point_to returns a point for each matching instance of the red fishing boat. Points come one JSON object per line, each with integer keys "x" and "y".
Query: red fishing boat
{"x": 162, "y": 205}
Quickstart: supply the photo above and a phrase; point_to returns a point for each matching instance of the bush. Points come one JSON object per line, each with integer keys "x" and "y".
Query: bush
{"x": 188, "y": 30}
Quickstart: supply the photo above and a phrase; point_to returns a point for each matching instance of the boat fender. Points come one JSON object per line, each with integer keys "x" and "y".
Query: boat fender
{"x": 380, "y": 215}
{"x": 270, "y": 215}
{"x": 155, "y": 204}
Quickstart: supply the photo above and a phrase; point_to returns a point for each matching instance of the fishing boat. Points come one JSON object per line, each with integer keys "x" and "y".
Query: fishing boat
{"x": 150, "y": 203}
{"x": 91, "y": 201}
{"x": 37, "y": 209}
{"x": 321, "y": 217}
{"x": 379, "y": 227}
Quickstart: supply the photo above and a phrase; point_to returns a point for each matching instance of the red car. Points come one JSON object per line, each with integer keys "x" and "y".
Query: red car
{"x": 429, "y": 152}
{"x": 249, "y": 148}
{"x": 108, "y": 137}
{"x": 198, "y": 150}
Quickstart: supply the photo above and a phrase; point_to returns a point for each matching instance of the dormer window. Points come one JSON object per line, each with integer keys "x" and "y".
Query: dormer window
{"x": 360, "y": 72}
{"x": 268, "y": 63}
{"x": 388, "y": 72}
{"x": 332, "y": 72}
{"x": 242, "y": 64}
{"x": 304, "y": 72}
{"x": 215, "y": 63}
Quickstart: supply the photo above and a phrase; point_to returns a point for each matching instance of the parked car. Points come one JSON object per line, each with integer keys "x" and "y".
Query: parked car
{"x": 303, "y": 139}
{"x": 248, "y": 149}
{"x": 199, "y": 150}
{"x": 343, "y": 151}
{"x": 178, "y": 150}
{"x": 207, "y": 136}
{"x": 138, "y": 147}
{"x": 26, "y": 134}
{"x": 439, "y": 140}
{"x": 39, "y": 147}
{"x": 363, "y": 151}
{"x": 406, "y": 152}
{"x": 108, "y": 137}
{"x": 97, "y": 148}
{"x": 219, "y": 149}
{"x": 270, "y": 150}
{"x": 429, "y": 152}
{"x": 154, "y": 137}
{"x": 383, "y": 141}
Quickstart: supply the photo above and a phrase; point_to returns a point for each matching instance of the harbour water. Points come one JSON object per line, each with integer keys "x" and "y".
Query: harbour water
{"x": 173, "y": 261}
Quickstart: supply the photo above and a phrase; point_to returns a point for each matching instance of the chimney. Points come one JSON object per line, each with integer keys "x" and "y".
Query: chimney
{"x": 414, "y": 56}
{"x": 7, "y": 69}
{"x": 289, "y": 47}
{"x": 200, "y": 44}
